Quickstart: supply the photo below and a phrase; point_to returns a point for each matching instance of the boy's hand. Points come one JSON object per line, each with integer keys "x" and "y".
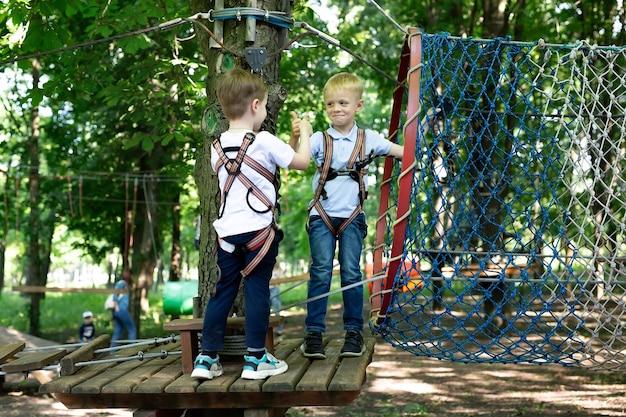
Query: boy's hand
{"x": 304, "y": 126}
{"x": 295, "y": 125}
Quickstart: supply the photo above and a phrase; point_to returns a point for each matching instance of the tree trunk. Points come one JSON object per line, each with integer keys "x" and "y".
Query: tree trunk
{"x": 144, "y": 256}
{"x": 175, "y": 253}
{"x": 34, "y": 270}
{"x": 220, "y": 60}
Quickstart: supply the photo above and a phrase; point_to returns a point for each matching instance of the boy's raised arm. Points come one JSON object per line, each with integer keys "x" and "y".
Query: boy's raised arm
{"x": 300, "y": 128}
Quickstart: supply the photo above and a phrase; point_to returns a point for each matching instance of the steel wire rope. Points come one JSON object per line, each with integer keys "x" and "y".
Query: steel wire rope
{"x": 384, "y": 13}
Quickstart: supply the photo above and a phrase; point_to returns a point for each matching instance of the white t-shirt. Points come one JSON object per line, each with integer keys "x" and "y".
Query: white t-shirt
{"x": 238, "y": 216}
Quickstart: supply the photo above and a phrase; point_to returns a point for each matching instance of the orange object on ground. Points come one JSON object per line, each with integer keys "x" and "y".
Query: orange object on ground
{"x": 413, "y": 282}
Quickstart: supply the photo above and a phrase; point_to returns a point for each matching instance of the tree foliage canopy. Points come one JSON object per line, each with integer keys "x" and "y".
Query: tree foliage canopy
{"x": 125, "y": 108}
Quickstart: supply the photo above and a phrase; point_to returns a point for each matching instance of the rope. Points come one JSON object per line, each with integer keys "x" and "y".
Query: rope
{"x": 384, "y": 13}
{"x": 516, "y": 211}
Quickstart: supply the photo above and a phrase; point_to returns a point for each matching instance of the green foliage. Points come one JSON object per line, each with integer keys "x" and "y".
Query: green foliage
{"x": 134, "y": 105}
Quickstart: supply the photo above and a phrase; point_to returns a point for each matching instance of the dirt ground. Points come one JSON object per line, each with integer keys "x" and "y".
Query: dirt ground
{"x": 400, "y": 384}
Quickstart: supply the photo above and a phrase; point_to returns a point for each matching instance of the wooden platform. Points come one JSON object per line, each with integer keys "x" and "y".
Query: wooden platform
{"x": 159, "y": 383}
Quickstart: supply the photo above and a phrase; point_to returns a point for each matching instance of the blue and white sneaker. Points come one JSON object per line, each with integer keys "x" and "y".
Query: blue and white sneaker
{"x": 206, "y": 368}
{"x": 268, "y": 365}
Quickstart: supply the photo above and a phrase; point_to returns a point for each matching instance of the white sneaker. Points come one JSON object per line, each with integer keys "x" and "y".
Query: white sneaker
{"x": 204, "y": 367}
{"x": 268, "y": 365}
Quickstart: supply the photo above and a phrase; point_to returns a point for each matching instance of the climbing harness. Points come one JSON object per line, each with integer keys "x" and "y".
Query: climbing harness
{"x": 264, "y": 238}
{"x": 355, "y": 170}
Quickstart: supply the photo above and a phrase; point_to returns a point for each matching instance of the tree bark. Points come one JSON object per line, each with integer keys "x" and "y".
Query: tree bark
{"x": 34, "y": 270}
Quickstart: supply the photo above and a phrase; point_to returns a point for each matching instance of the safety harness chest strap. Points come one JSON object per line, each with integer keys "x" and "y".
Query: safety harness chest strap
{"x": 357, "y": 152}
{"x": 264, "y": 237}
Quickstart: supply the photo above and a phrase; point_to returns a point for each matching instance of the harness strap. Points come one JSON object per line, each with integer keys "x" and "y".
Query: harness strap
{"x": 233, "y": 168}
{"x": 358, "y": 151}
{"x": 265, "y": 237}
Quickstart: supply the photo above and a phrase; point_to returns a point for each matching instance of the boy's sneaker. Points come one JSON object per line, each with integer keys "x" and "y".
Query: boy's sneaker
{"x": 204, "y": 367}
{"x": 268, "y": 365}
{"x": 353, "y": 345}
{"x": 313, "y": 346}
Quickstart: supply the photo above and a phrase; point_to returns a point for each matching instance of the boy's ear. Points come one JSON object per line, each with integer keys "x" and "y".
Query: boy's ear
{"x": 359, "y": 105}
{"x": 254, "y": 104}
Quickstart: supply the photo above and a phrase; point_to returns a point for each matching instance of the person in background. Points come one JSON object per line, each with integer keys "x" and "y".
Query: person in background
{"x": 87, "y": 329}
{"x": 122, "y": 320}
{"x": 196, "y": 241}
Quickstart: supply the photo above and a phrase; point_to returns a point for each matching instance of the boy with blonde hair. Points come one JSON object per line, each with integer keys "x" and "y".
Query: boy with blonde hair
{"x": 246, "y": 161}
{"x": 336, "y": 216}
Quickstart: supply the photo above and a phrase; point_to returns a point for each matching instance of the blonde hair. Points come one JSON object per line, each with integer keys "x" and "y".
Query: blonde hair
{"x": 345, "y": 81}
{"x": 235, "y": 91}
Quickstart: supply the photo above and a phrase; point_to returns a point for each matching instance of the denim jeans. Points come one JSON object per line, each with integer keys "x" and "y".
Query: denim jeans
{"x": 256, "y": 293}
{"x": 323, "y": 244}
{"x": 122, "y": 320}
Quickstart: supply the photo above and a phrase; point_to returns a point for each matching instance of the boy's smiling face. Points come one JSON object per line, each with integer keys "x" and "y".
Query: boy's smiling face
{"x": 341, "y": 107}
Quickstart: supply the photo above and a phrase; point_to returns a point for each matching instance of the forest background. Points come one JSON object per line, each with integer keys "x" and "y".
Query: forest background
{"x": 104, "y": 118}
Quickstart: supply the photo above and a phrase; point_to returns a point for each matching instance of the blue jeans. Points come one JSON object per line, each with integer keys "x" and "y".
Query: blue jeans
{"x": 256, "y": 293}
{"x": 323, "y": 243}
{"x": 122, "y": 320}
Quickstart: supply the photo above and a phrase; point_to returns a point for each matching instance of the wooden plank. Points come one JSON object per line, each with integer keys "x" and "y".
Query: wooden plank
{"x": 189, "y": 345}
{"x": 82, "y": 354}
{"x": 65, "y": 384}
{"x": 298, "y": 365}
{"x": 40, "y": 289}
{"x": 157, "y": 383}
{"x": 351, "y": 372}
{"x": 209, "y": 400}
{"x": 185, "y": 384}
{"x": 34, "y": 360}
{"x": 231, "y": 323}
{"x": 246, "y": 385}
{"x": 320, "y": 372}
{"x": 95, "y": 384}
{"x": 129, "y": 380}
{"x": 232, "y": 372}
{"x": 8, "y": 351}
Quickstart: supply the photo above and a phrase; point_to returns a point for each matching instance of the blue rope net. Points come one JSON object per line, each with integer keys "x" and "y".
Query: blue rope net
{"x": 515, "y": 235}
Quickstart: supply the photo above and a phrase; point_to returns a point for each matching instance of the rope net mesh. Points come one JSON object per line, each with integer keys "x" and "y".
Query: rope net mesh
{"x": 513, "y": 244}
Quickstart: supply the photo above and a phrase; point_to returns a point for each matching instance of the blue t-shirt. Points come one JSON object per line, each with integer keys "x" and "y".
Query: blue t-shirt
{"x": 122, "y": 299}
{"x": 343, "y": 191}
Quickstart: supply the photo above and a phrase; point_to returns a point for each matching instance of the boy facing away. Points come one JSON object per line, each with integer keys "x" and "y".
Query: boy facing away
{"x": 336, "y": 216}
{"x": 248, "y": 237}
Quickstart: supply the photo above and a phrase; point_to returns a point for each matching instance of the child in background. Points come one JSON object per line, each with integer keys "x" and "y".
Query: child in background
{"x": 87, "y": 329}
{"x": 335, "y": 214}
{"x": 245, "y": 161}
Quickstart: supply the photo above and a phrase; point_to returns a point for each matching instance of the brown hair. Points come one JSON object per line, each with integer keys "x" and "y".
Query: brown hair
{"x": 345, "y": 81}
{"x": 236, "y": 89}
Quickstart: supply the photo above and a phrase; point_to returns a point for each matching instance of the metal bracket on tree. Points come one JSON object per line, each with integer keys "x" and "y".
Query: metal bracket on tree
{"x": 256, "y": 58}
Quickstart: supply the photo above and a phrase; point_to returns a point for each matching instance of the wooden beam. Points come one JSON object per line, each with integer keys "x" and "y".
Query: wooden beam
{"x": 39, "y": 289}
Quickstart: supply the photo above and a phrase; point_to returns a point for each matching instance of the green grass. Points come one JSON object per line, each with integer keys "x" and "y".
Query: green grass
{"x": 61, "y": 315}
{"x": 292, "y": 294}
